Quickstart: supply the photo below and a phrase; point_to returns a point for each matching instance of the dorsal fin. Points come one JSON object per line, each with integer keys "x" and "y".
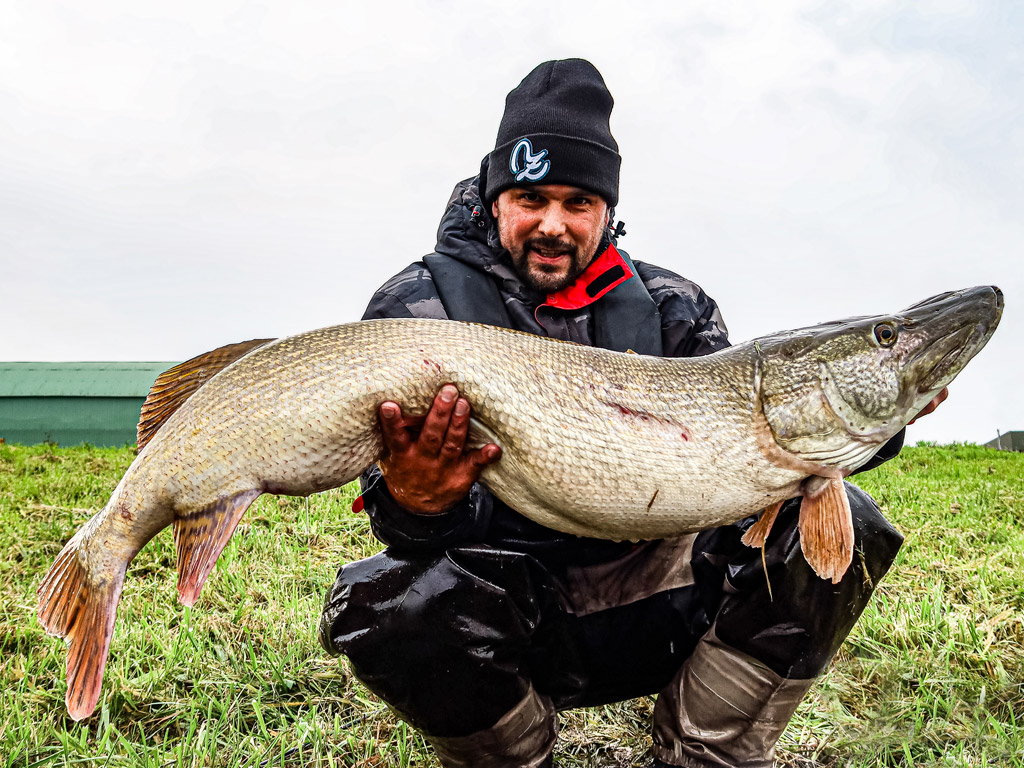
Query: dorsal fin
{"x": 176, "y": 385}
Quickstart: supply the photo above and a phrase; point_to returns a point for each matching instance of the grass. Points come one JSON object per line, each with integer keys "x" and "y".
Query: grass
{"x": 931, "y": 675}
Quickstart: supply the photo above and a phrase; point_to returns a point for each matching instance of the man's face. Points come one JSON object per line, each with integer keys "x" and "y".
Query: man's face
{"x": 552, "y": 232}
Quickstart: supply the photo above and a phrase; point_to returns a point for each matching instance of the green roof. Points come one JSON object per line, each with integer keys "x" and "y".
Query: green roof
{"x": 1008, "y": 441}
{"x": 79, "y": 379}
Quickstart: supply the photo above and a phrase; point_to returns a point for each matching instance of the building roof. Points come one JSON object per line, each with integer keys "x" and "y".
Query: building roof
{"x": 92, "y": 379}
{"x": 1008, "y": 441}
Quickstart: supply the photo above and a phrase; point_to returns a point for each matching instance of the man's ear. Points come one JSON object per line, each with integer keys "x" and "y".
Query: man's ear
{"x": 494, "y": 210}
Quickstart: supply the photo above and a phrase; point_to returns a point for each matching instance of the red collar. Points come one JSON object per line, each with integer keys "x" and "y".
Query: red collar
{"x": 604, "y": 273}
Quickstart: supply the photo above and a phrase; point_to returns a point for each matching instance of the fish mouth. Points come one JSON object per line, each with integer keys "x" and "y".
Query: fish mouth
{"x": 961, "y": 323}
{"x": 949, "y": 349}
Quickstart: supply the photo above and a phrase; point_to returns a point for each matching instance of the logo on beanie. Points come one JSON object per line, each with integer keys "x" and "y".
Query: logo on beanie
{"x": 534, "y": 167}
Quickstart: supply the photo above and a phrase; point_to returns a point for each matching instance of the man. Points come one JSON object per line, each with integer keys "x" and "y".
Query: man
{"x": 478, "y": 625}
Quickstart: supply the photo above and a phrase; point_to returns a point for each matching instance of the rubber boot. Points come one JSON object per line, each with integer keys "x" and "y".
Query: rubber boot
{"x": 523, "y": 738}
{"x": 724, "y": 708}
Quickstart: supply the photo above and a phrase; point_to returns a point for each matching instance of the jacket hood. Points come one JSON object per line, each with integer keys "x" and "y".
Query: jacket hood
{"x": 467, "y": 231}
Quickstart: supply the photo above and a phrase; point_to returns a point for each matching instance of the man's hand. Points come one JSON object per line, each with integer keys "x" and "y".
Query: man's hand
{"x": 429, "y": 472}
{"x": 935, "y": 403}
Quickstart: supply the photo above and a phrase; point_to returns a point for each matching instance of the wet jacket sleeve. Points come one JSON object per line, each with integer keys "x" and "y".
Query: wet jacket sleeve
{"x": 411, "y": 293}
{"x": 395, "y": 526}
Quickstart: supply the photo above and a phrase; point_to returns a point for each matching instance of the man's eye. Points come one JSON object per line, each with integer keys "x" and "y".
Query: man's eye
{"x": 580, "y": 202}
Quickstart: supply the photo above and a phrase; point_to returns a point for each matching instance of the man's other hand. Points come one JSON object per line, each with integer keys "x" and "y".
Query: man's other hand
{"x": 426, "y": 465}
{"x": 935, "y": 403}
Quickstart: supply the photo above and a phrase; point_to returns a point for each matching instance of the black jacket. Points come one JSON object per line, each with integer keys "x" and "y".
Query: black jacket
{"x": 468, "y": 250}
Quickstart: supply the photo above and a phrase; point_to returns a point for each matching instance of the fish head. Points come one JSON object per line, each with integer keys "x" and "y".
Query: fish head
{"x": 834, "y": 393}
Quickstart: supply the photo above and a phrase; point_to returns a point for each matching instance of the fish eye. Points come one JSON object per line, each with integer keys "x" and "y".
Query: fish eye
{"x": 885, "y": 334}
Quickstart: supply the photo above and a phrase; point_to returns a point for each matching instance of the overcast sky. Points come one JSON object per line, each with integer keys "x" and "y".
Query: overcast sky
{"x": 174, "y": 177}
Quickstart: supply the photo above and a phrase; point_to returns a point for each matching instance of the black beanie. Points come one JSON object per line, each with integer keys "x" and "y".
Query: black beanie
{"x": 555, "y": 131}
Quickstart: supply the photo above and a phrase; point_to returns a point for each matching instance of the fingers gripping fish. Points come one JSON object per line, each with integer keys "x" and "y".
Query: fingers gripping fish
{"x": 595, "y": 443}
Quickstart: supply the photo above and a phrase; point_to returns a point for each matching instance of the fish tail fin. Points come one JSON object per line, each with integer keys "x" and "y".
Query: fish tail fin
{"x": 201, "y": 536}
{"x": 74, "y": 606}
{"x": 826, "y": 531}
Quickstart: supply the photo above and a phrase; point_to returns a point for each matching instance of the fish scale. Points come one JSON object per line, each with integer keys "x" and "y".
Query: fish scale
{"x": 554, "y": 443}
{"x": 594, "y": 442}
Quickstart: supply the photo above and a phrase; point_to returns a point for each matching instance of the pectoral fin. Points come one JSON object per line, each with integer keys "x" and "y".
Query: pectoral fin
{"x": 757, "y": 534}
{"x": 201, "y": 536}
{"x": 826, "y": 530}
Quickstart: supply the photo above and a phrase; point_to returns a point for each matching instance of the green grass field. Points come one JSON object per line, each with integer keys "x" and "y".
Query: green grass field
{"x": 931, "y": 676}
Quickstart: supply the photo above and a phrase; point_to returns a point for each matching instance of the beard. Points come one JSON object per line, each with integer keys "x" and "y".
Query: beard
{"x": 575, "y": 248}
{"x": 549, "y": 278}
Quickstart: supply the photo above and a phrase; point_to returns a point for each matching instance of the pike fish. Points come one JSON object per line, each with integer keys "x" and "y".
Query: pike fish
{"x": 595, "y": 443}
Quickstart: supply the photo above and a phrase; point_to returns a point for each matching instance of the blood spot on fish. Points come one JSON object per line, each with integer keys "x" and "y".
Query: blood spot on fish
{"x": 685, "y": 435}
{"x": 630, "y": 412}
{"x": 126, "y": 514}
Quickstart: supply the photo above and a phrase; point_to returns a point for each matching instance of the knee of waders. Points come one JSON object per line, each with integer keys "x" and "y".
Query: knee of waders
{"x": 365, "y": 605}
{"x": 464, "y": 597}
{"x": 782, "y": 613}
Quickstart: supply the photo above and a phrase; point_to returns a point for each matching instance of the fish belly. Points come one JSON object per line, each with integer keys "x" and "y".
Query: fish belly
{"x": 594, "y": 442}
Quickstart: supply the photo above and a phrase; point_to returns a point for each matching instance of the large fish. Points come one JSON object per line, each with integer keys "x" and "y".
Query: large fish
{"x": 595, "y": 443}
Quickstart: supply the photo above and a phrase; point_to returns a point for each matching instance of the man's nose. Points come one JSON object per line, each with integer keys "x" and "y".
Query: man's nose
{"x": 552, "y": 223}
